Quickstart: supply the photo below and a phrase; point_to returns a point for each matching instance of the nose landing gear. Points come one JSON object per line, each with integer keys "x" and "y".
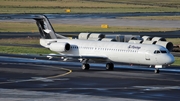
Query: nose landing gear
{"x": 156, "y": 70}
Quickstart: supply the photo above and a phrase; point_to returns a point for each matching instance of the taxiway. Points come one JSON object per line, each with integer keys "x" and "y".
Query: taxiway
{"x": 66, "y": 79}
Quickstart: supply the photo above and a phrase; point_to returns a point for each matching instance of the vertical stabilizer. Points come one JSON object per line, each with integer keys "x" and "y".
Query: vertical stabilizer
{"x": 45, "y": 28}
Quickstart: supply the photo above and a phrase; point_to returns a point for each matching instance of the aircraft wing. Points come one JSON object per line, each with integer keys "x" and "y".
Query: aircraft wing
{"x": 72, "y": 57}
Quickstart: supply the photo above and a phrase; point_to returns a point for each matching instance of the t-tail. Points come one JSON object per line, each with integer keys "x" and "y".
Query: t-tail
{"x": 45, "y": 28}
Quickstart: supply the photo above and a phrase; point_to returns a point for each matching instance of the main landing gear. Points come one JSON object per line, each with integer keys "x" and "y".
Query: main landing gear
{"x": 85, "y": 66}
{"x": 109, "y": 66}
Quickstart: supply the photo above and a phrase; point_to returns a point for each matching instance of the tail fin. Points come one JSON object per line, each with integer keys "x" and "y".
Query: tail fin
{"x": 45, "y": 28}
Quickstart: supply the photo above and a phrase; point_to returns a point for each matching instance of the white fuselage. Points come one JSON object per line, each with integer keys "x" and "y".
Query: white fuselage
{"x": 117, "y": 51}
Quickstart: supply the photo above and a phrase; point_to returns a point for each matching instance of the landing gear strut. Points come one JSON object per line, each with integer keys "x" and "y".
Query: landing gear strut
{"x": 156, "y": 70}
{"x": 109, "y": 66}
{"x": 85, "y": 65}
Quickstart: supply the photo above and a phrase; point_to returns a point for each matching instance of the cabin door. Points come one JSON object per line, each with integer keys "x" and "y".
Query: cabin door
{"x": 147, "y": 57}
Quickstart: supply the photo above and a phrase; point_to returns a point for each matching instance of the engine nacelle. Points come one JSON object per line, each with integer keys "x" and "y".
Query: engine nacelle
{"x": 59, "y": 46}
{"x": 150, "y": 38}
{"x": 91, "y": 36}
{"x": 147, "y": 38}
{"x": 96, "y": 36}
{"x": 158, "y": 39}
{"x": 149, "y": 42}
{"x": 108, "y": 39}
{"x": 118, "y": 37}
{"x": 83, "y": 36}
{"x": 168, "y": 45}
{"x": 95, "y": 39}
{"x": 131, "y": 37}
{"x": 135, "y": 41}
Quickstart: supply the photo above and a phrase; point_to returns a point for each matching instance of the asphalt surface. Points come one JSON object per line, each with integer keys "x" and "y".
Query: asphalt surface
{"x": 98, "y": 19}
{"x": 92, "y": 15}
{"x": 33, "y": 79}
{"x": 110, "y": 22}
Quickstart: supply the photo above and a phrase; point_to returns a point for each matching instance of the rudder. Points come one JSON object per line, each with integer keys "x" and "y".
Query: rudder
{"x": 45, "y": 28}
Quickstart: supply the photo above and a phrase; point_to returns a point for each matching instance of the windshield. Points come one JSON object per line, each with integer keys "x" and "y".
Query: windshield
{"x": 160, "y": 51}
{"x": 163, "y": 51}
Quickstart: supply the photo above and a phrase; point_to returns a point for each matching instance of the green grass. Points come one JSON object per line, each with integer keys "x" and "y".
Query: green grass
{"x": 177, "y": 61}
{"x": 88, "y": 6}
{"x": 175, "y": 41}
{"x": 152, "y": 17}
{"x": 31, "y": 27}
{"x": 17, "y": 27}
{"x": 29, "y": 40}
{"x": 23, "y": 50}
{"x": 85, "y": 28}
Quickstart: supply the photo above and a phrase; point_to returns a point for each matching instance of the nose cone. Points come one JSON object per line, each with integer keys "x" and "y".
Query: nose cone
{"x": 170, "y": 59}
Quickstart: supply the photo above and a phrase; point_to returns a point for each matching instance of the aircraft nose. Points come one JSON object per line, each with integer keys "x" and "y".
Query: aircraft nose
{"x": 170, "y": 59}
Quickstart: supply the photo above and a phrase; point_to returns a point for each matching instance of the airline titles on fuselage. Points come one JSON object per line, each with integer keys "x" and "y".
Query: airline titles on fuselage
{"x": 134, "y": 47}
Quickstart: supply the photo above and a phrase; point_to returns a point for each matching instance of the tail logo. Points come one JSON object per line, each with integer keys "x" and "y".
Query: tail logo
{"x": 47, "y": 31}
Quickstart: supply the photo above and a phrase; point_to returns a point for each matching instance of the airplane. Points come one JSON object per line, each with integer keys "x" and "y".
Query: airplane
{"x": 102, "y": 51}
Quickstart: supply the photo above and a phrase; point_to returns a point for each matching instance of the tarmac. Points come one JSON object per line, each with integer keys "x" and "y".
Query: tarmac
{"x": 42, "y": 80}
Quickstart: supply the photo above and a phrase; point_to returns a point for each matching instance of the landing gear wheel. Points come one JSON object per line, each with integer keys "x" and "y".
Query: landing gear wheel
{"x": 156, "y": 71}
{"x": 109, "y": 66}
{"x": 85, "y": 66}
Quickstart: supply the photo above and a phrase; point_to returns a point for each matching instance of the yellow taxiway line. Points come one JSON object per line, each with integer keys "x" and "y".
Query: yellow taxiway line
{"x": 49, "y": 77}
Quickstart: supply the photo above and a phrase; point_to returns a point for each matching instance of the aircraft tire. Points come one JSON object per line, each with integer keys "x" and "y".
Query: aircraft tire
{"x": 85, "y": 66}
{"x": 109, "y": 66}
{"x": 156, "y": 71}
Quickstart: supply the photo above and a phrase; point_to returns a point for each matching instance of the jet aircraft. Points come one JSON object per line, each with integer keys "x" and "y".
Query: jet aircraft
{"x": 102, "y": 51}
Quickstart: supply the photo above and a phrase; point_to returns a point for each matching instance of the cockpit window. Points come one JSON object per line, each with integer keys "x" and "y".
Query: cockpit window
{"x": 157, "y": 52}
{"x": 163, "y": 51}
{"x": 160, "y": 51}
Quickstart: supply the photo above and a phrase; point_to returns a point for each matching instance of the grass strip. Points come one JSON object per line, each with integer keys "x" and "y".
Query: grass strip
{"x": 177, "y": 61}
{"x": 175, "y": 41}
{"x": 152, "y": 17}
{"x": 23, "y": 50}
{"x": 31, "y": 27}
{"x": 88, "y": 6}
{"x": 29, "y": 40}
